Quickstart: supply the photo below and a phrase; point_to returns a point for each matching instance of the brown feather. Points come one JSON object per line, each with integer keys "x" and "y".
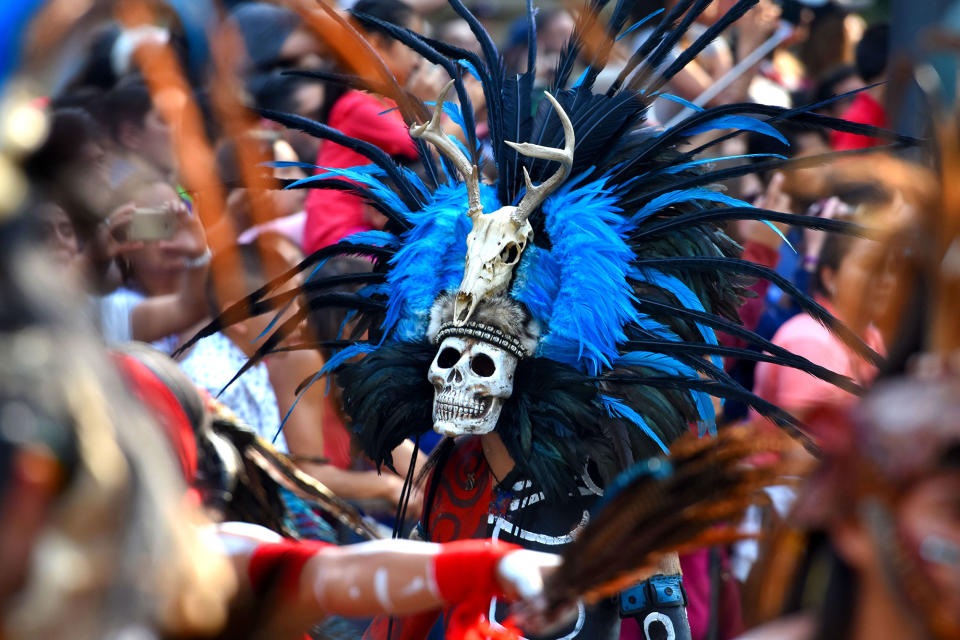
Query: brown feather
{"x": 711, "y": 484}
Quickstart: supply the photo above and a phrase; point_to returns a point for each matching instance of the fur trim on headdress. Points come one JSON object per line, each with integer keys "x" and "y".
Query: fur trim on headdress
{"x": 501, "y": 312}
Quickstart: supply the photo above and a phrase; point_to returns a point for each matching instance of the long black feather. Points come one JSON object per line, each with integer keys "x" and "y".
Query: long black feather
{"x": 240, "y": 310}
{"x": 649, "y": 66}
{"x": 716, "y": 389}
{"x": 709, "y": 35}
{"x": 721, "y": 214}
{"x": 727, "y": 173}
{"x": 413, "y": 40}
{"x": 674, "y": 135}
{"x": 409, "y": 195}
{"x": 794, "y": 361}
{"x": 372, "y": 198}
{"x": 655, "y": 38}
{"x": 745, "y": 267}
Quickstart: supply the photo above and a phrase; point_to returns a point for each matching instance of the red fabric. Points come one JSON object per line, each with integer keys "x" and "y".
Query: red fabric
{"x": 459, "y": 512}
{"x": 165, "y": 408}
{"x": 336, "y": 438}
{"x": 466, "y": 577}
{"x": 865, "y": 110}
{"x": 331, "y": 214}
{"x": 278, "y": 565}
{"x": 463, "y": 496}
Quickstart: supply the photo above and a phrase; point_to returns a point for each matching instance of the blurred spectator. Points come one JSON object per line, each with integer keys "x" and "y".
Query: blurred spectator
{"x": 845, "y": 264}
{"x": 275, "y": 37}
{"x": 872, "y": 55}
{"x": 833, "y": 35}
{"x": 71, "y": 167}
{"x": 332, "y": 215}
{"x": 285, "y": 205}
{"x": 141, "y": 135}
{"x": 290, "y": 94}
{"x": 843, "y": 79}
{"x": 58, "y": 234}
{"x": 214, "y": 360}
{"x": 164, "y": 280}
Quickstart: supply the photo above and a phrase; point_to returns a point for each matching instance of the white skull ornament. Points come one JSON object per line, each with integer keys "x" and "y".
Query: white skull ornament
{"x": 472, "y": 379}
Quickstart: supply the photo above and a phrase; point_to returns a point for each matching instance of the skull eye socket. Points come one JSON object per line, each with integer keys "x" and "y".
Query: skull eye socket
{"x": 447, "y": 358}
{"x": 483, "y": 365}
{"x": 510, "y": 254}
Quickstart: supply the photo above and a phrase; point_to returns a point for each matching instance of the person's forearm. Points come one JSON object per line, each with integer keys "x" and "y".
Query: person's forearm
{"x": 351, "y": 485}
{"x": 402, "y": 576}
{"x": 161, "y": 316}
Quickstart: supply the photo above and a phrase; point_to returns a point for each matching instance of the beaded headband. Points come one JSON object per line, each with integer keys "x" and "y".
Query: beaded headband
{"x": 485, "y": 333}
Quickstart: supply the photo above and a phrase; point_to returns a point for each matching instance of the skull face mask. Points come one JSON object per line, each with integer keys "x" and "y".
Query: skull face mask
{"x": 471, "y": 379}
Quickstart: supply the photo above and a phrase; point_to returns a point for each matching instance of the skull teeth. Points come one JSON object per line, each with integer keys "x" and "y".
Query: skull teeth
{"x": 455, "y": 407}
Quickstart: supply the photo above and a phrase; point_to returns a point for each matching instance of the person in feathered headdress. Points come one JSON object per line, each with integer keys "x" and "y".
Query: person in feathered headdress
{"x": 560, "y": 322}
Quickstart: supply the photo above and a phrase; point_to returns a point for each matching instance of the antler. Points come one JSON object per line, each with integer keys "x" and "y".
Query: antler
{"x": 433, "y": 133}
{"x": 537, "y": 194}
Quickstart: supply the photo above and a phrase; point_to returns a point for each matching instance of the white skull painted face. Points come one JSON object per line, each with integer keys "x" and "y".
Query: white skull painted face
{"x": 471, "y": 379}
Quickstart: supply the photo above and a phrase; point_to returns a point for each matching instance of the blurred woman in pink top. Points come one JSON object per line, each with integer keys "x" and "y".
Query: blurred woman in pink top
{"x": 847, "y": 265}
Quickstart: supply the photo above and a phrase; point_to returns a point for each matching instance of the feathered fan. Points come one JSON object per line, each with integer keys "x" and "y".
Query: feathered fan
{"x": 688, "y": 500}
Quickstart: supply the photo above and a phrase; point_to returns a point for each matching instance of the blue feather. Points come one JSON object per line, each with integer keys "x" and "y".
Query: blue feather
{"x": 684, "y": 195}
{"x": 672, "y": 366}
{"x": 374, "y": 238}
{"x": 745, "y": 123}
{"x": 430, "y": 260}
{"x": 681, "y": 101}
{"x": 638, "y": 24}
{"x": 618, "y": 409}
{"x": 578, "y": 288}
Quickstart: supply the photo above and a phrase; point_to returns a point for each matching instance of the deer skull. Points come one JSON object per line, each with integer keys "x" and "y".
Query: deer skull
{"x": 494, "y": 247}
{"x": 497, "y": 240}
{"x": 471, "y": 379}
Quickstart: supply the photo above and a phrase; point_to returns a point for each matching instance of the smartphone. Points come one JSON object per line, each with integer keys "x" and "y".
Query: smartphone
{"x": 151, "y": 224}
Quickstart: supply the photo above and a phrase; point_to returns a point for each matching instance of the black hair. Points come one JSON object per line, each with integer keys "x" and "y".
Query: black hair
{"x": 835, "y": 599}
{"x": 71, "y": 130}
{"x": 276, "y": 91}
{"x": 827, "y": 86}
{"x": 758, "y": 143}
{"x": 127, "y": 103}
{"x": 396, "y": 12}
{"x": 872, "y": 52}
{"x": 98, "y": 71}
{"x": 834, "y": 249}
{"x": 264, "y": 28}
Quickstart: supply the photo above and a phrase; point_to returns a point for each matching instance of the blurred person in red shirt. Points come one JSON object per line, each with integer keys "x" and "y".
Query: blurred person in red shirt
{"x": 867, "y": 107}
{"x": 332, "y": 214}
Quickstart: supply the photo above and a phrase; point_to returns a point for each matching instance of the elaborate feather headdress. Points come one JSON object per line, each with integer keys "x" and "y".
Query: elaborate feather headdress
{"x": 627, "y": 275}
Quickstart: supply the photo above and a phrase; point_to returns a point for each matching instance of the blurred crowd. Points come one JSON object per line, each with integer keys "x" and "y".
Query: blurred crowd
{"x": 157, "y": 235}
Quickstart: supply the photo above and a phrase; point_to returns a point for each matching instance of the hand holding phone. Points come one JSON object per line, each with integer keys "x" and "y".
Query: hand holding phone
{"x": 152, "y": 224}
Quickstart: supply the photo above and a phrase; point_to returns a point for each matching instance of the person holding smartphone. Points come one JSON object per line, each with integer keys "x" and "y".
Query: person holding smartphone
{"x": 164, "y": 276}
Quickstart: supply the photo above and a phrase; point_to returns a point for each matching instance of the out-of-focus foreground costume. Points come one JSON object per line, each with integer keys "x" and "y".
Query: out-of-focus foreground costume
{"x": 558, "y": 320}
{"x": 872, "y": 548}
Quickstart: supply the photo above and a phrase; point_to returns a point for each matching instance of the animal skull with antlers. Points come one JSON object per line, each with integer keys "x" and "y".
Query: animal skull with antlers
{"x": 497, "y": 240}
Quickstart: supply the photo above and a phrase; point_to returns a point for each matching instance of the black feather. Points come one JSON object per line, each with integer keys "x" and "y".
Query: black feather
{"x": 745, "y": 267}
{"x": 370, "y": 151}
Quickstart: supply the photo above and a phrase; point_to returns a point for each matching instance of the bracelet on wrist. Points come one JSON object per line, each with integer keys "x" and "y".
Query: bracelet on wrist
{"x": 200, "y": 261}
